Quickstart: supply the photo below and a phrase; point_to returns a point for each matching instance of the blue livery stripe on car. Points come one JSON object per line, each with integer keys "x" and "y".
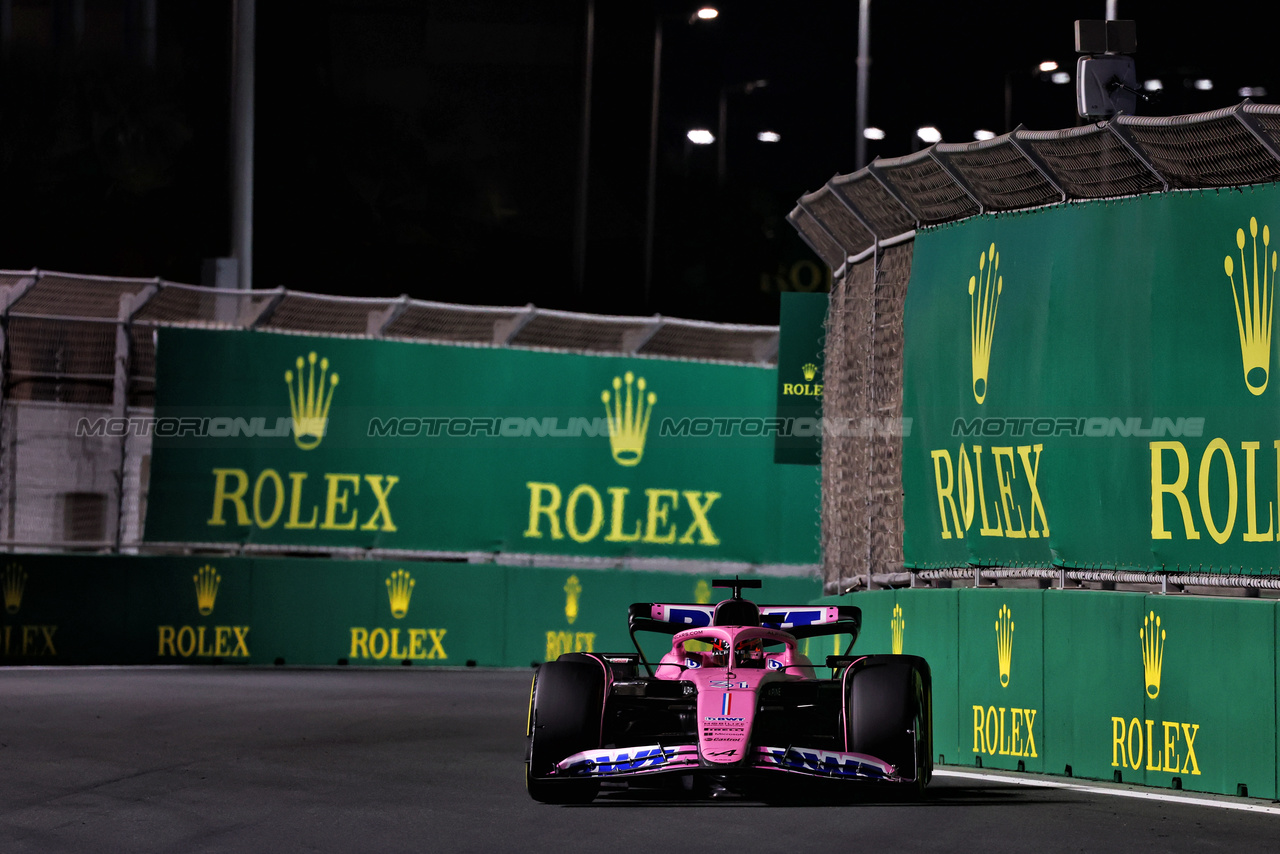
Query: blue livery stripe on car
{"x": 824, "y": 762}
{"x": 776, "y": 616}
{"x": 626, "y": 760}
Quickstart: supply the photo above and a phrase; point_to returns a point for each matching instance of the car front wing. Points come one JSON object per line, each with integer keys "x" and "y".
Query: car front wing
{"x": 620, "y": 762}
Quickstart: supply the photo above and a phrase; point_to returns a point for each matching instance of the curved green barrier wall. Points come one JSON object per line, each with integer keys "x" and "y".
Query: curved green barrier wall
{"x": 1173, "y": 691}
{"x": 66, "y": 609}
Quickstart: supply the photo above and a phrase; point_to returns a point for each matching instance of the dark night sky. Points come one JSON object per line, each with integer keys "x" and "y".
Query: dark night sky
{"x": 431, "y": 148}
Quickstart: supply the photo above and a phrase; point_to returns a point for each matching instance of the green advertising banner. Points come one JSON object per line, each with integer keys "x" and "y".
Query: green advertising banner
{"x": 1001, "y": 710}
{"x": 1209, "y": 691}
{"x": 801, "y": 341}
{"x": 1089, "y": 386}
{"x": 323, "y": 442}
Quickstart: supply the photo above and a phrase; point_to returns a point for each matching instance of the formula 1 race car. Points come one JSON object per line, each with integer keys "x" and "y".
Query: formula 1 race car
{"x": 733, "y": 707}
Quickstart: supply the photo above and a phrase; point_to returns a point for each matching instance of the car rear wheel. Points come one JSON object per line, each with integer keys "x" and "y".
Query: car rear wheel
{"x": 566, "y": 701}
{"x": 888, "y": 714}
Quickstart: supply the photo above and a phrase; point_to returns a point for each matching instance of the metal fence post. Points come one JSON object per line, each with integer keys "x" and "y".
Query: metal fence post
{"x": 130, "y": 305}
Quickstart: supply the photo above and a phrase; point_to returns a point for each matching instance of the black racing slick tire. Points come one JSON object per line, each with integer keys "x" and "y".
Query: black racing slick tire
{"x": 889, "y": 714}
{"x": 566, "y": 703}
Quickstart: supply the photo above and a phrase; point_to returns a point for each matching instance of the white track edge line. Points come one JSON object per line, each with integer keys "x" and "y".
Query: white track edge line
{"x": 1103, "y": 790}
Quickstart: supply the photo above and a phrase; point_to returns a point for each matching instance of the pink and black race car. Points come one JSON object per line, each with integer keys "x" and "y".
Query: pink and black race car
{"x": 734, "y": 706}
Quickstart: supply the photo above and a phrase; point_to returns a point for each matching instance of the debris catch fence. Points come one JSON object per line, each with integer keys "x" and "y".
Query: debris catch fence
{"x": 863, "y": 226}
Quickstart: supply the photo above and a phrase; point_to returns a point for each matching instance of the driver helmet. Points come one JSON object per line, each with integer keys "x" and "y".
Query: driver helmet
{"x": 751, "y": 649}
{"x": 719, "y": 652}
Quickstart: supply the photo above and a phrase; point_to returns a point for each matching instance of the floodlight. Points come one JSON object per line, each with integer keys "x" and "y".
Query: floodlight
{"x": 929, "y": 134}
{"x": 1105, "y": 85}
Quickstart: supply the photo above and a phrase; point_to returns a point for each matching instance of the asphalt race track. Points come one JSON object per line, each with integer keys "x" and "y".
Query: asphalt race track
{"x": 222, "y": 759}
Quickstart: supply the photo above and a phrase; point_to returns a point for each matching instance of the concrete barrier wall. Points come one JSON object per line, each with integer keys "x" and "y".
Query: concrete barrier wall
{"x": 1167, "y": 691}
{"x": 68, "y": 609}
{"x": 1172, "y": 691}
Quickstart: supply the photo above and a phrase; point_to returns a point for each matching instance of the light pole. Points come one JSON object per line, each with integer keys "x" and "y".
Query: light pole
{"x": 864, "y": 73}
{"x": 584, "y": 156}
{"x": 706, "y": 13}
{"x": 746, "y": 89}
{"x": 244, "y": 30}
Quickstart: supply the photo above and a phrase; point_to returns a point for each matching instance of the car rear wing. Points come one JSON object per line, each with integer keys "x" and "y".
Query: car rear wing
{"x": 800, "y": 621}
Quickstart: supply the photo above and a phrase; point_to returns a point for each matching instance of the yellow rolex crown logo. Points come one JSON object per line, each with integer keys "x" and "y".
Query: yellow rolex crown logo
{"x": 984, "y": 299}
{"x": 628, "y": 418}
{"x": 702, "y": 592}
{"x": 810, "y": 370}
{"x": 1004, "y": 643}
{"x": 1152, "y": 636}
{"x": 207, "y": 581}
{"x": 572, "y": 590}
{"x": 1255, "y": 303}
{"x": 15, "y": 582}
{"x": 897, "y": 624}
{"x": 399, "y": 589}
{"x": 309, "y": 399}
